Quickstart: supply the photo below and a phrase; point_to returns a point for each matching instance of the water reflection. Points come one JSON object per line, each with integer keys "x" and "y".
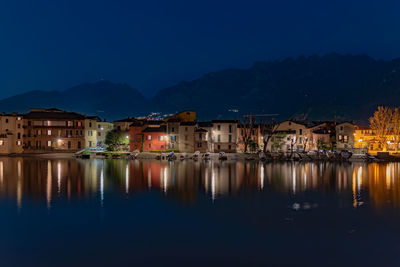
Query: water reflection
{"x": 28, "y": 179}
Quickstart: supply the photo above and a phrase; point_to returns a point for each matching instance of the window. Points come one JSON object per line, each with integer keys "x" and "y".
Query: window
{"x": 6, "y": 120}
{"x": 29, "y": 123}
{"x": 1, "y": 142}
{"x": 161, "y": 138}
{"x": 230, "y": 138}
{"x": 219, "y": 147}
{"x": 340, "y": 137}
{"x": 70, "y": 123}
{"x": 172, "y": 129}
{"x": 229, "y": 147}
{"x": 172, "y": 138}
{"x": 230, "y": 128}
{"x": 290, "y": 123}
{"x": 199, "y": 144}
{"x": 19, "y": 125}
{"x": 149, "y": 145}
{"x": 19, "y": 118}
{"x": 299, "y": 140}
{"x": 149, "y": 137}
{"x": 48, "y": 143}
{"x": 219, "y": 127}
{"x": 18, "y": 143}
{"x": 345, "y": 138}
{"x": 48, "y": 132}
{"x": 78, "y": 123}
{"x": 186, "y": 137}
{"x": 341, "y": 128}
{"x": 301, "y": 132}
{"x": 90, "y": 133}
{"x": 186, "y": 129}
{"x": 219, "y": 138}
{"x": 90, "y": 124}
{"x": 99, "y": 133}
{"x": 79, "y": 144}
{"x": 19, "y": 136}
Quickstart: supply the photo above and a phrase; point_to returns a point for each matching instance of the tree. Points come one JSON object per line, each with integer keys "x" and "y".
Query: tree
{"x": 247, "y": 127}
{"x": 380, "y": 123}
{"x": 268, "y": 130}
{"x": 396, "y": 127}
{"x": 278, "y": 140}
{"x": 116, "y": 140}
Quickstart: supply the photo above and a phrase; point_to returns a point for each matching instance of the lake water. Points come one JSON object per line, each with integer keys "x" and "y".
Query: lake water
{"x": 67, "y": 212}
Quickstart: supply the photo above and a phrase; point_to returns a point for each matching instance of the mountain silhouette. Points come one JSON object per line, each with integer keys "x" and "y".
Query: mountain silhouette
{"x": 345, "y": 87}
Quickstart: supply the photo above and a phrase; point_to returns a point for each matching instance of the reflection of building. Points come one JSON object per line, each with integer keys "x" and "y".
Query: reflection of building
{"x": 11, "y": 133}
{"x": 53, "y": 130}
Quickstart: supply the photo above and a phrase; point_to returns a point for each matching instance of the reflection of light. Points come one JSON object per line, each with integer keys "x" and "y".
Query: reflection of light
{"x": 102, "y": 186}
{"x": 127, "y": 179}
{"x": 294, "y": 180}
{"x": 165, "y": 180}
{"x": 48, "y": 189}
{"x": 388, "y": 177}
{"x": 19, "y": 185}
{"x": 262, "y": 177}
{"x": 149, "y": 177}
{"x": 213, "y": 184}
{"x": 58, "y": 177}
{"x": 1, "y": 172}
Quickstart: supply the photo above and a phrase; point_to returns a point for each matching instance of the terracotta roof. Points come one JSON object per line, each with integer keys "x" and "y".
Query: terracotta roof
{"x": 188, "y": 123}
{"x": 200, "y": 130}
{"x": 161, "y": 129}
{"x": 205, "y": 124}
{"x": 53, "y": 114}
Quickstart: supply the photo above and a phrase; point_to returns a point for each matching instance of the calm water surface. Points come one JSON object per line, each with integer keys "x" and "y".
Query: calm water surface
{"x": 67, "y": 212}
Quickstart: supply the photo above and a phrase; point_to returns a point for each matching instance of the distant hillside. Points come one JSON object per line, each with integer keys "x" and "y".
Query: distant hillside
{"x": 106, "y": 99}
{"x": 316, "y": 87}
{"x": 345, "y": 86}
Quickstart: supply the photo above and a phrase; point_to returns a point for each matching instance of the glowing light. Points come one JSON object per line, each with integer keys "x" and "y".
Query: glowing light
{"x": 127, "y": 179}
{"x": 58, "y": 177}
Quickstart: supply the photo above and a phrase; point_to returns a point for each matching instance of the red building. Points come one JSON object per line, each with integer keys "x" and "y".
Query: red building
{"x": 148, "y": 136}
{"x": 136, "y": 135}
{"x": 155, "y": 138}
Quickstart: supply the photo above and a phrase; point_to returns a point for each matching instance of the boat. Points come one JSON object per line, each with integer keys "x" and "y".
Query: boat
{"x": 222, "y": 156}
{"x": 345, "y": 154}
{"x": 171, "y": 156}
{"x": 206, "y": 156}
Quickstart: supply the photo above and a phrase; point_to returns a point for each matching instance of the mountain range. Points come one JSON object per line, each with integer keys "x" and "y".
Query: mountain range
{"x": 345, "y": 87}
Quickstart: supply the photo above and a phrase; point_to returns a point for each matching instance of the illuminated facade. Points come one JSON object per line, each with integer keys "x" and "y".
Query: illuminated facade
{"x": 53, "y": 130}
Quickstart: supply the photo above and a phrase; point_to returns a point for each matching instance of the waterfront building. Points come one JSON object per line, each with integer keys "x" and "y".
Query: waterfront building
{"x": 184, "y": 116}
{"x": 11, "y": 133}
{"x": 224, "y": 135}
{"x": 186, "y": 136}
{"x": 255, "y": 137}
{"x": 290, "y": 136}
{"x": 155, "y": 138}
{"x": 96, "y": 131}
{"x": 345, "y": 135}
{"x": 53, "y": 130}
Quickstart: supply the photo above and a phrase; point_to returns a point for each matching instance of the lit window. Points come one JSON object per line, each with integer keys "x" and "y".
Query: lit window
{"x": 18, "y": 118}
{"x": 149, "y": 137}
{"x": 18, "y": 143}
{"x": 48, "y": 143}
{"x": 1, "y": 142}
{"x": 219, "y": 127}
{"x": 48, "y": 132}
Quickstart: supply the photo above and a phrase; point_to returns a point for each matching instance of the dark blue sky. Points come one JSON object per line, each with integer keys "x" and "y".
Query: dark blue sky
{"x": 151, "y": 44}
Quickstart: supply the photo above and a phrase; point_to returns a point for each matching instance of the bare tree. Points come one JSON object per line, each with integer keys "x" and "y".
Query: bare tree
{"x": 246, "y": 127}
{"x": 381, "y": 123}
{"x": 268, "y": 130}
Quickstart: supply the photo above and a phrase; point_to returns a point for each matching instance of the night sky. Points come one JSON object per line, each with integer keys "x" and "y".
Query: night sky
{"x": 151, "y": 44}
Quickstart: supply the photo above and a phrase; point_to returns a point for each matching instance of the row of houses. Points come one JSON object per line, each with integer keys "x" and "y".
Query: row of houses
{"x": 182, "y": 132}
{"x": 54, "y": 130}
{"x": 50, "y": 130}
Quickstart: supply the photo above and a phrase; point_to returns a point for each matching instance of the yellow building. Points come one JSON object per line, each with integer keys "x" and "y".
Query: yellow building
{"x": 184, "y": 116}
{"x": 96, "y": 131}
{"x": 11, "y": 133}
